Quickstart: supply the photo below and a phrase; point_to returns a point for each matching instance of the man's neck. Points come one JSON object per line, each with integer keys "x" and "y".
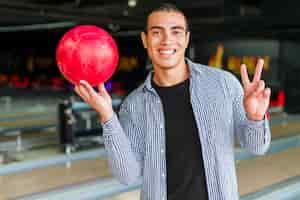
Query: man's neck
{"x": 170, "y": 77}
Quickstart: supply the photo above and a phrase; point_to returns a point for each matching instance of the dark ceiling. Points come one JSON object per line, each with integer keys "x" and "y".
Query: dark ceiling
{"x": 115, "y": 13}
{"x": 117, "y": 16}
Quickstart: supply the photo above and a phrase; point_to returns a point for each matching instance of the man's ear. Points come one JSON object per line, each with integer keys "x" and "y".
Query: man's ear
{"x": 144, "y": 40}
{"x": 187, "y": 39}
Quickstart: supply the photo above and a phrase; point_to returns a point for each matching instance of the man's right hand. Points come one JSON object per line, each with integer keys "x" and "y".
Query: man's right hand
{"x": 100, "y": 101}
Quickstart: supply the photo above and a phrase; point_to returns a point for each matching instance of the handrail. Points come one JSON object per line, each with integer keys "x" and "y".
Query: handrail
{"x": 55, "y": 160}
{"x": 285, "y": 190}
{"x": 240, "y": 154}
{"x": 4, "y": 130}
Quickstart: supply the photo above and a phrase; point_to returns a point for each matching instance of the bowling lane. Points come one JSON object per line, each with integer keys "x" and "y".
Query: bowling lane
{"x": 12, "y": 115}
{"x": 253, "y": 175}
{"x": 267, "y": 170}
{"x": 43, "y": 179}
{"x": 285, "y": 129}
{"x": 28, "y": 123}
{"x": 28, "y": 106}
{"x": 132, "y": 195}
{"x": 27, "y": 116}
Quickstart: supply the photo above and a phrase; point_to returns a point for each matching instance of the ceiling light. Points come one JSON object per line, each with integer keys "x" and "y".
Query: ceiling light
{"x": 132, "y": 3}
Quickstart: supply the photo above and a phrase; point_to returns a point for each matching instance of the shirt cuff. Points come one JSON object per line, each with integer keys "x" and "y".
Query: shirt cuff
{"x": 110, "y": 125}
{"x": 258, "y": 123}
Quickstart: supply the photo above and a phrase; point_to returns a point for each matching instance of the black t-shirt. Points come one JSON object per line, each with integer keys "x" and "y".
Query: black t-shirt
{"x": 185, "y": 170}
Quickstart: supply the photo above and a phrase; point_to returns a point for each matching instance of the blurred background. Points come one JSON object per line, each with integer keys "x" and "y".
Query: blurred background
{"x": 51, "y": 142}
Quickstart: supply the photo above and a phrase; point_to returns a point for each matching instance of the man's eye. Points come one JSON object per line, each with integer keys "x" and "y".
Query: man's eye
{"x": 177, "y": 32}
{"x": 155, "y": 32}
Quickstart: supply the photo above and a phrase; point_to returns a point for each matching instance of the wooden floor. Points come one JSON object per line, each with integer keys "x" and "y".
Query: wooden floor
{"x": 285, "y": 130}
{"x": 252, "y": 174}
{"x": 51, "y": 177}
{"x": 267, "y": 170}
{"x": 133, "y": 195}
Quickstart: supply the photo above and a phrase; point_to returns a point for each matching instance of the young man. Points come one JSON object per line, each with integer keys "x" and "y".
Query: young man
{"x": 177, "y": 130}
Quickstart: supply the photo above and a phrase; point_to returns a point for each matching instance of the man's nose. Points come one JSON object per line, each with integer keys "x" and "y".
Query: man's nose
{"x": 167, "y": 38}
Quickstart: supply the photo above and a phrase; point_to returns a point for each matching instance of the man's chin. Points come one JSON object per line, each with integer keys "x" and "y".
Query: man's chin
{"x": 166, "y": 64}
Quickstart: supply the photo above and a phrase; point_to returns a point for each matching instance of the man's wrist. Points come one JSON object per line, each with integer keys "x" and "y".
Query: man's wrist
{"x": 255, "y": 118}
{"x": 106, "y": 117}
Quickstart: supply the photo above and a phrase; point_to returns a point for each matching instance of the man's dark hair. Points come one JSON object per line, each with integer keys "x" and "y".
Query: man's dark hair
{"x": 166, "y": 7}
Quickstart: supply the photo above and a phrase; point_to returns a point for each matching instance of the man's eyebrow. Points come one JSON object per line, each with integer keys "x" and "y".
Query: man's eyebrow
{"x": 178, "y": 27}
{"x": 174, "y": 27}
{"x": 155, "y": 27}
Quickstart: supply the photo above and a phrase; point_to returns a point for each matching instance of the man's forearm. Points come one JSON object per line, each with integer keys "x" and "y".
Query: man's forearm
{"x": 121, "y": 158}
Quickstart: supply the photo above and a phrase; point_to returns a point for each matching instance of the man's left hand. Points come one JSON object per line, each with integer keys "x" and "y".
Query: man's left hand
{"x": 256, "y": 96}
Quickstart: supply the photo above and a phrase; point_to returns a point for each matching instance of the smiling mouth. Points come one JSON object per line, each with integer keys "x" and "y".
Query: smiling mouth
{"x": 167, "y": 52}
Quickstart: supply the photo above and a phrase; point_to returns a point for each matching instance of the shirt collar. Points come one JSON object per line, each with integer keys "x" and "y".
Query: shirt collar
{"x": 194, "y": 69}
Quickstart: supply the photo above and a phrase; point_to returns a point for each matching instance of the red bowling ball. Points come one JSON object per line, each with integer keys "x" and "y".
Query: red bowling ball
{"x": 87, "y": 52}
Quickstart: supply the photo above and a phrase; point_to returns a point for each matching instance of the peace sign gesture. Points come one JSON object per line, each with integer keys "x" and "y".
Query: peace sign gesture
{"x": 256, "y": 96}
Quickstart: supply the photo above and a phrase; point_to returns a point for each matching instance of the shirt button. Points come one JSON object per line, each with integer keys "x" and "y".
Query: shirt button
{"x": 162, "y": 151}
{"x": 163, "y": 175}
{"x": 161, "y": 126}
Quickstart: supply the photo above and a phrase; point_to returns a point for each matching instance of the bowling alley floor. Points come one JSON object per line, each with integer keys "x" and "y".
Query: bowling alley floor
{"x": 53, "y": 177}
{"x": 255, "y": 174}
{"x": 43, "y": 179}
{"x": 266, "y": 170}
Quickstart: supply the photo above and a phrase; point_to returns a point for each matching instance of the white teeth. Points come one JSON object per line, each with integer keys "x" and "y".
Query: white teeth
{"x": 167, "y": 52}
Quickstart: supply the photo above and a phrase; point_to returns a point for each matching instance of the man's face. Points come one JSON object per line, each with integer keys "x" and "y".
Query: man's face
{"x": 166, "y": 39}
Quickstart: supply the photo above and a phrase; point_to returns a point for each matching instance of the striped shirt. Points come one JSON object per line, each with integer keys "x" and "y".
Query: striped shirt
{"x": 135, "y": 141}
